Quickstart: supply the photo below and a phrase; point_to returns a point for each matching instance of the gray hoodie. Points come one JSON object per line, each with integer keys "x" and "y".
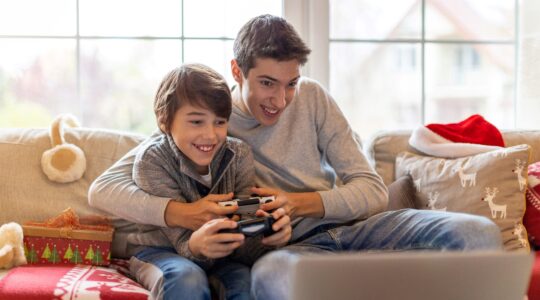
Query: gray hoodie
{"x": 161, "y": 169}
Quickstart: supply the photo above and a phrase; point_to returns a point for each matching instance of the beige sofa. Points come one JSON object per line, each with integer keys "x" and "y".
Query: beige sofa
{"x": 26, "y": 193}
{"x": 384, "y": 147}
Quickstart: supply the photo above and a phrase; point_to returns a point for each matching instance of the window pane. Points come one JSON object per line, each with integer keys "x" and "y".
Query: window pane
{"x": 368, "y": 19}
{"x": 225, "y": 17}
{"x": 528, "y": 86}
{"x": 470, "y": 20}
{"x": 462, "y": 80}
{"x": 37, "y": 81}
{"x": 130, "y": 17}
{"x": 119, "y": 79}
{"x": 215, "y": 54}
{"x": 38, "y": 17}
{"x": 377, "y": 86}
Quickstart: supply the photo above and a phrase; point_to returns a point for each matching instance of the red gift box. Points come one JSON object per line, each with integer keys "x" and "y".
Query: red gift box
{"x": 44, "y": 245}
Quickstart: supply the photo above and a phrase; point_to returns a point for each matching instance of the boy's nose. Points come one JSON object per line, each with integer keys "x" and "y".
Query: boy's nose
{"x": 280, "y": 98}
{"x": 210, "y": 132}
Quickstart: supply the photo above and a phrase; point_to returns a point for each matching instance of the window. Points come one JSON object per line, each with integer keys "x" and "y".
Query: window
{"x": 467, "y": 58}
{"x": 405, "y": 58}
{"x": 389, "y": 64}
{"x": 102, "y": 60}
{"x": 400, "y": 64}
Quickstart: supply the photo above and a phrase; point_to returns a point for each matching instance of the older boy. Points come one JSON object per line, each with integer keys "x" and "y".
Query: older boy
{"x": 302, "y": 144}
{"x": 301, "y": 141}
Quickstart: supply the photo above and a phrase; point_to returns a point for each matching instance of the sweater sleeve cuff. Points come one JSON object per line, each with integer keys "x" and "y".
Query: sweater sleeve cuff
{"x": 183, "y": 250}
{"x": 157, "y": 209}
{"x": 331, "y": 209}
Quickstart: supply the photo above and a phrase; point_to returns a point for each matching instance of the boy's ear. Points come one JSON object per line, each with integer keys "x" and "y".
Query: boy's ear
{"x": 162, "y": 127}
{"x": 236, "y": 72}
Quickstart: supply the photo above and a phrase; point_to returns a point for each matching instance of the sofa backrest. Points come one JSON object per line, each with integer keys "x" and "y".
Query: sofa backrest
{"x": 27, "y": 194}
{"x": 383, "y": 148}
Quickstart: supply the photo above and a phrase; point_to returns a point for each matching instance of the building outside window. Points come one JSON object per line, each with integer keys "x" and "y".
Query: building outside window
{"x": 401, "y": 64}
{"x": 102, "y": 60}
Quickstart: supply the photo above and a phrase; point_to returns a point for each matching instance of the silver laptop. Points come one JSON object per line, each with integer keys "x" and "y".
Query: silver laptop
{"x": 412, "y": 276}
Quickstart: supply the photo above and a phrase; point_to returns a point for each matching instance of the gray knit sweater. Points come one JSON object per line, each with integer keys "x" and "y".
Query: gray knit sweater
{"x": 308, "y": 149}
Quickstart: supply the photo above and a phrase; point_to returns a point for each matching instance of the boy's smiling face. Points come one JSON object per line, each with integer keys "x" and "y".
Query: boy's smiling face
{"x": 268, "y": 89}
{"x": 199, "y": 134}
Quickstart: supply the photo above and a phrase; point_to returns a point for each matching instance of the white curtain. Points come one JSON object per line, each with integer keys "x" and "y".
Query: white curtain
{"x": 528, "y": 104}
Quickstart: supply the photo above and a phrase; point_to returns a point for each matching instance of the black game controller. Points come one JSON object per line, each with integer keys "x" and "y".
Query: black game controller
{"x": 253, "y": 227}
{"x": 247, "y": 206}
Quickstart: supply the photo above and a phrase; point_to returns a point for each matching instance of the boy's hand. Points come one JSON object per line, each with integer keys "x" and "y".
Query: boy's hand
{"x": 281, "y": 201}
{"x": 282, "y": 227}
{"x": 207, "y": 242}
{"x": 194, "y": 215}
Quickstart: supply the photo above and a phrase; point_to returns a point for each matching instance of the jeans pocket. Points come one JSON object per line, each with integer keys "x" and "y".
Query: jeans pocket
{"x": 335, "y": 234}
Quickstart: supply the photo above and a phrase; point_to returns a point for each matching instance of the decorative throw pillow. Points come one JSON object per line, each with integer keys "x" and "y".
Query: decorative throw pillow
{"x": 531, "y": 220}
{"x": 401, "y": 193}
{"x": 490, "y": 184}
{"x": 69, "y": 282}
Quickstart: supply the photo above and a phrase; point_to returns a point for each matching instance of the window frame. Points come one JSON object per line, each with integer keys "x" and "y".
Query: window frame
{"x": 311, "y": 20}
{"x": 317, "y": 37}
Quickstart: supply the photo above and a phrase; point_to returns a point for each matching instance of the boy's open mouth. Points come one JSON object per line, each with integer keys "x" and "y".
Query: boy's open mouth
{"x": 205, "y": 148}
{"x": 271, "y": 112}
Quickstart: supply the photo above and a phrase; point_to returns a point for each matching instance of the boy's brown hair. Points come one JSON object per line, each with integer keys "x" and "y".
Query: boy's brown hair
{"x": 195, "y": 84}
{"x": 268, "y": 36}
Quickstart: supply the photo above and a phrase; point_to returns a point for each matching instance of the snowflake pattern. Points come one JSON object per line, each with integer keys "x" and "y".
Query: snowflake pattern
{"x": 534, "y": 170}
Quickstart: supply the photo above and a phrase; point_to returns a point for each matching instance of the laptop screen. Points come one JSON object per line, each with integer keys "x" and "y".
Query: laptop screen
{"x": 412, "y": 275}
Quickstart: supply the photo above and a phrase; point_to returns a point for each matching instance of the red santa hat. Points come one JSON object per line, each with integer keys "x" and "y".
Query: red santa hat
{"x": 471, "y": 136}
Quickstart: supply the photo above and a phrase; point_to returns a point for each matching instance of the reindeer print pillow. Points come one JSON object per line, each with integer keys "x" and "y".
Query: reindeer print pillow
{"x": 490, "y": 184}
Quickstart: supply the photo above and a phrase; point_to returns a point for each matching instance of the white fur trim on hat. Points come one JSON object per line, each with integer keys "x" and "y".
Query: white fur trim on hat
{"x": 430, "y": 143}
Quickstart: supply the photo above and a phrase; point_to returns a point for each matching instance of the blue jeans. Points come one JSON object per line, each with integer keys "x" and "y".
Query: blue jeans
{"x": 400, "y": 230}
{"x": 233, "y": 279}
{"x": 170, "y": 276}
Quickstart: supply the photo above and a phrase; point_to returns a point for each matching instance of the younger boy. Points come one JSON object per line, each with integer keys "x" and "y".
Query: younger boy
{"x": 192, "y": 158}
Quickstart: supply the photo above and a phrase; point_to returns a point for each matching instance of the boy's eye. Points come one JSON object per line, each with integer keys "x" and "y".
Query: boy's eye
{"x": 267, "y": 82}
{"x": 293, "y": 84}
{"x": 196, "y": 122}
{"x": 221, "y": 122}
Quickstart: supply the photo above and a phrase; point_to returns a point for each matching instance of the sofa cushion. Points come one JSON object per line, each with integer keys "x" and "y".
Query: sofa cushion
{"x": 401, "y": 193}
{"x": 383, "y": 149}
{"x": 490, "y": 184}
{"x": 26, "y": 193}
{"x": 531, "y": 220}
{"x": 69, "y": 282}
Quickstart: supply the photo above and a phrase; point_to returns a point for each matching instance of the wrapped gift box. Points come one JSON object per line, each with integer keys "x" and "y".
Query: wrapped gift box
{"x": 45, "y": 245}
